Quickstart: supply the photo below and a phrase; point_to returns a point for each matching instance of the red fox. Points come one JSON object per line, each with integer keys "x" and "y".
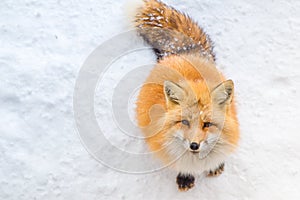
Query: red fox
{"x": 196, "y": 127}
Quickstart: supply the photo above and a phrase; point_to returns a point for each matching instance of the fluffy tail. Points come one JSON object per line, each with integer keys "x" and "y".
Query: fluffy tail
{"x": 169, "y": 31}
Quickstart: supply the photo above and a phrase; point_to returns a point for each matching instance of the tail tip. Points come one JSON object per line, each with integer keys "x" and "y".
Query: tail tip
{"x": 131, "y": 8}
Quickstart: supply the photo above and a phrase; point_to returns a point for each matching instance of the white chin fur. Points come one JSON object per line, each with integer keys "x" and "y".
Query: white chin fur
{"x": 209, "y": 158}
{"x": 192, "y": 164}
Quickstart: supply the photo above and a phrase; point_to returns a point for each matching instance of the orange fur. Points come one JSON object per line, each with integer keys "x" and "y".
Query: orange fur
{"x": 185, "y": 84}
{"x": 176, "y": 68}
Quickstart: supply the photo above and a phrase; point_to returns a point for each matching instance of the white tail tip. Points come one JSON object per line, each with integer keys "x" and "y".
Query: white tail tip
{"x": 131, "y": 8}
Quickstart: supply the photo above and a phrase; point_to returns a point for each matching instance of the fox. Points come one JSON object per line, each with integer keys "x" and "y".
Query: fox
{"x": 186, "y": 107}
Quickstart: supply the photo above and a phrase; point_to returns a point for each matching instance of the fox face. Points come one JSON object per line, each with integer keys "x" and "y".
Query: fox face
{"x": 196, "y": 117}
{"x": 186, "y": 110}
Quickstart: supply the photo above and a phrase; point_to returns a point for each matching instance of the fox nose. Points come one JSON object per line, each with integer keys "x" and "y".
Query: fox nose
{"x": 194, "y": 146}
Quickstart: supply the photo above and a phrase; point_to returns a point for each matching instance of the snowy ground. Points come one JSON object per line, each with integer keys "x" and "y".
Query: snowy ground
{"x": 43, "y": 44}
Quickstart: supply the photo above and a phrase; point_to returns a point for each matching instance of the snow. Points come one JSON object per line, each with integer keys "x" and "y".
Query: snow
{"x": 43, "y": 47}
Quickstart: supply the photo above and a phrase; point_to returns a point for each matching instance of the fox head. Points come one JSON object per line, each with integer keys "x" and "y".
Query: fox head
{"x": 197, "y": 118}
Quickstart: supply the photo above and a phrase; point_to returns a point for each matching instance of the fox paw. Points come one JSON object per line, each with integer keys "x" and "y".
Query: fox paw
{"x": 185, "y": 181}
{"x": 216, "y": 172}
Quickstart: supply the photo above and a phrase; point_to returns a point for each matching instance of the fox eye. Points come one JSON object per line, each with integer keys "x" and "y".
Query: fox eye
{"x": 207, "y": 124}
{"x": 185, "y": 122}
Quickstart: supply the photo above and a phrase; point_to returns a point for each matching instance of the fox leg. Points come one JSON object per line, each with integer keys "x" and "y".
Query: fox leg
{"x": 216, "y": 172}
{"x": 185, "y": 181}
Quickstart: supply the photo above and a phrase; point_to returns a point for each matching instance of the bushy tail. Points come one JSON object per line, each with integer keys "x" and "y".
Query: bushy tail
{"x": 169, "y": 31}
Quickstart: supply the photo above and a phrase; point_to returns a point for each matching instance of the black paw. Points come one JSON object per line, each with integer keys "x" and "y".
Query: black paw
{"x": 216, "y": 172}
{"x": 185, "y": 181}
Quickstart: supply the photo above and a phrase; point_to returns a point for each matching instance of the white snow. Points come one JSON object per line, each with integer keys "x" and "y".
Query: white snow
{"x": 43, "y": 45}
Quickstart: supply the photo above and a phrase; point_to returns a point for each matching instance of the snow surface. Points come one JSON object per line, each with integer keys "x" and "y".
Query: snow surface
{"x": 43, "y": 45}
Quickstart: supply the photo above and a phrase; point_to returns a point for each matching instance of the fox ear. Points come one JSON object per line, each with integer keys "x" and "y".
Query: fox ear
{"x": 173, "y": 92}
{"x": 223, "y": 93}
